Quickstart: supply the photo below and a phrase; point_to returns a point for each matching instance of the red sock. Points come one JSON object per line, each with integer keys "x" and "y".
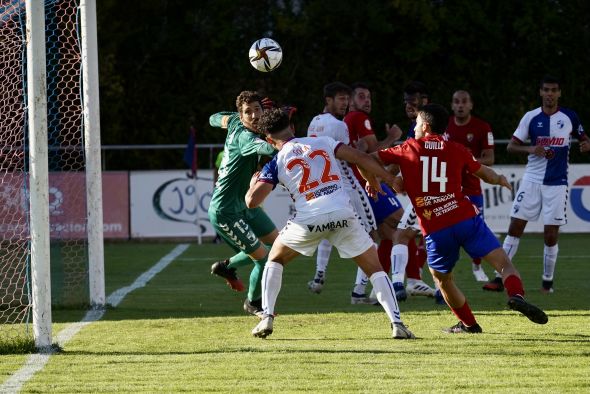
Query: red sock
{"x": 476, "y": 261}
{"x": 421, "y": 253}
{"x": 413, "y": 267}
{"x": 465, "y": 315}
{"x": 384, "y": 252}
{"x": 513, "y": 286}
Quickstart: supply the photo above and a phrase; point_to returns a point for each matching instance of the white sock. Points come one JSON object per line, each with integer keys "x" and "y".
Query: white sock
{"x": 510, "y": 246}
{"x": 399, "y": 261}
{"x": 360, "y": 283}
{"x": 549, "y": 260}
{"x": 272, "y": 278}
{"x": 386, "y": 295}
{"x": 324, "y": 251}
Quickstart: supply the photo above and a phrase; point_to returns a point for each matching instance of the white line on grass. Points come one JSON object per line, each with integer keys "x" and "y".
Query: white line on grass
{"x": 37, "y": 361}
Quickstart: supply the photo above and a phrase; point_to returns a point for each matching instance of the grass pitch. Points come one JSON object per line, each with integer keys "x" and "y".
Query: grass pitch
{"x": 186, "y": 332}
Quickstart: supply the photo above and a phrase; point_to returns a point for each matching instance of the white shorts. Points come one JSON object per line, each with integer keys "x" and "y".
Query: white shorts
{"x": 342, "y": 228}
{"x": 534, "y": 198}
{"x": 409, "y": 219}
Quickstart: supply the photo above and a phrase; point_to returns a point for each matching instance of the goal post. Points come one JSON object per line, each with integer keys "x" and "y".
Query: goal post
{"x": 38, "y": 173}
{"x": 93, "y": 157}
{"x": 51, "y": 217}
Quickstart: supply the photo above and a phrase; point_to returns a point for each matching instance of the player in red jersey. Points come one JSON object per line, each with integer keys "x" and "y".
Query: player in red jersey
{"x": 433, "y": 169}
{"x": 387, "y": 208}
{"x": 476, "y": 135}
{"x": 407, "y": 260}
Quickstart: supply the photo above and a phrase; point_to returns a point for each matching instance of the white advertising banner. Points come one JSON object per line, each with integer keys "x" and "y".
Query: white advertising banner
{"x": 498, "y": 201}
{"x": 166, "y": 203}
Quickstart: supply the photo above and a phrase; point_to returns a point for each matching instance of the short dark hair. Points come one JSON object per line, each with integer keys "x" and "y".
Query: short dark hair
{"x": 436, "y": 116}
{"x": 416, "y": 87}
{"x": 550, "y": 79}
{"x": 247, "y": 97}
{"x": 333, "y": 88}
{"x": 360, "y": 85}
{"x": 273, "y": 120}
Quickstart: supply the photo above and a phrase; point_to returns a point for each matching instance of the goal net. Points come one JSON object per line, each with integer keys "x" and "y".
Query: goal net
{"x": 66, "y": 164}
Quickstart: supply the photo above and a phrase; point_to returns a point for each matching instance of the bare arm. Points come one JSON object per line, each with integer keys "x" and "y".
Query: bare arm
{"x": 585, "y": 144}
{"x": 492, "y": 177}
{"x": 257, "y": 192}
{"x": 370, "y": 144}
{"x": 369, "y": 165}
{"x": 516, "y": 147}
{"x": 487, "y": 157}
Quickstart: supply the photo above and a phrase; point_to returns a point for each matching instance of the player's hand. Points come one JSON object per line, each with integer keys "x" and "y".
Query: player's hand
{"x": 502, "y": 181}
{"x": 254, "y": 178}
{"x": 373, "y": 187}
{"x": 398, "y": 185}
{"x": 267, "y": 103}
{"x": 289, "y": 110}
{"x": 538, "y": 150}
{"x": 584, "y": 146}
{"x": 393, "y": 131}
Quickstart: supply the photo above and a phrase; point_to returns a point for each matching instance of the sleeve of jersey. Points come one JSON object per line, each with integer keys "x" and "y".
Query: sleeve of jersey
{"x": 577, "y": 129}
{"x": 522, "y": 131}
{"x": 488, "y": 137}
{"x": 250, "y": 144}
{"x": 343, "y": 132}
{"x": 269, "y": 173}
{"x": 215, "y": 119}
{"x": 363, "y": 127}
{"x": 391, "y": 155}
{"x": 471, "y": 162}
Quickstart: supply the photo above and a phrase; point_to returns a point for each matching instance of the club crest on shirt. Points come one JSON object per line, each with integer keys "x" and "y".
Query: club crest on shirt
{"x": 469, "y": 137}
{"x": 427, "y": 213}
{"x": 367, "y": 124}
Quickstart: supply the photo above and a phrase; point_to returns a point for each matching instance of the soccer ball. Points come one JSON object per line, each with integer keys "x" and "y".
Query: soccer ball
{"x": 265, "y": 55}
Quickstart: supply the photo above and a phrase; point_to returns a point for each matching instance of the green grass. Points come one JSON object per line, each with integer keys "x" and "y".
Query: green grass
{"x": 186, "y": 331}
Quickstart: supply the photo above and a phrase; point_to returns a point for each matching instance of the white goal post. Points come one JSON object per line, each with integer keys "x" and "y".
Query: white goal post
{"x": 50, "y": 173}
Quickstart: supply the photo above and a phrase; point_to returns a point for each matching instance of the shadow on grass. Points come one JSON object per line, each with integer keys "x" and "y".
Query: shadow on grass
{"x": 186, "y": 289}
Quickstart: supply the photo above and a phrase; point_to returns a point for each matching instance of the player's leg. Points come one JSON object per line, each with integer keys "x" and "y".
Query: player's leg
{"x": 265, "y": 231}
{"x": 554, "y": 208}
{"x": 480, "y": 241}
{"x": 405, "y": 258}
{"x": 323, "y": 258}
{"x": 222, "y": 225}
{"x": 353, "y": 241}
{"x": 476, "y": 268}
{"x": 293, "y": 240}
{"x": 388, "y": 212}
{"x": 550, "y": 252}
{"x": 442, "y": 248}
{"x": 272, "y": 280}
{"x": 525, "y": 207}
{"x": 361, "y": 204}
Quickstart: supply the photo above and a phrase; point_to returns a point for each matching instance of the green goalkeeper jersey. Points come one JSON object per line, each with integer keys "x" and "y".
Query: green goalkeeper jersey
{"x": 240, "y": 161}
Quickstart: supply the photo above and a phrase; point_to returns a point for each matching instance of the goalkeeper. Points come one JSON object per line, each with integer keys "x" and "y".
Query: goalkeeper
{"x": 249, "y": 232}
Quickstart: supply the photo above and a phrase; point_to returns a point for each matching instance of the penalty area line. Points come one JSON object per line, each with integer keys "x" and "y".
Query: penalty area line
{"x": 37, "y": 361}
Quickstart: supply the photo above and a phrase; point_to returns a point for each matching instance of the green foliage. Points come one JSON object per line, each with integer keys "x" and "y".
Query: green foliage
{"x": 167, "y": 64}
